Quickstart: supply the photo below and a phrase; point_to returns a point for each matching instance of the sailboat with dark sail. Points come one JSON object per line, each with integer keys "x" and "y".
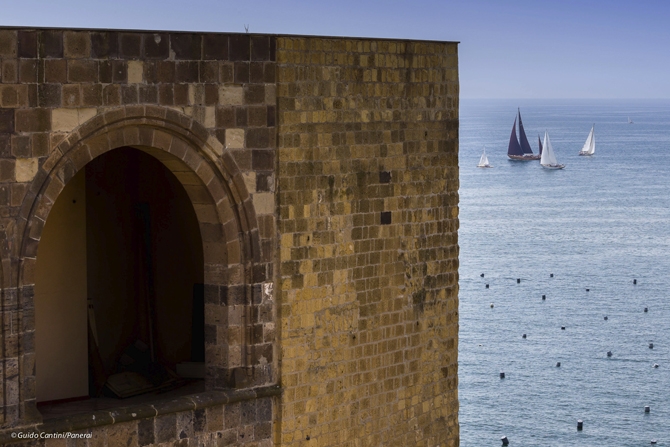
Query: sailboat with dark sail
{"x": 519, "y": 148}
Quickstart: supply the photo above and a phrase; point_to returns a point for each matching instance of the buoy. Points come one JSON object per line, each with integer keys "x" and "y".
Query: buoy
{"x": 544, "y": 297}
{"x": 487, "y": 286}
{"x": 651, "y": 346}
{"x": 551, "y": 275}
{"x": 609, "y": 353}
{"x": 558, "y": 364}
{"x": 647, "y": 409}
{"x": 605, "y": 317}
{"x": 491, "y": 305}
{"x": 580, "y": 425}
{"x": 635, "y": 281}
{"x": 562, "y": 328}
{"x": 655, "y": 365}
{"x": 523, "y": 336}
{"x": 518, "y": 280}
{"x": 646, "y": 310}
{"x": 502, "y": 375}
{"x": 504, "y": 440}
{"x": 482, "y": 275}
{"x": 588, "y": 290}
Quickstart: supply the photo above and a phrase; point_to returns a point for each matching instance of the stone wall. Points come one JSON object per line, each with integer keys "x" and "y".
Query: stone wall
{"x": 324, "y": 175}
{"x": 368, "y": 220}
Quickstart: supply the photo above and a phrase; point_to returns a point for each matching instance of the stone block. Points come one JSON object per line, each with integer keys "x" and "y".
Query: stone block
{"x": 55, "y": 71}
{"x": 33, "y": 120}
{"x": 25, "y": 169}
{"x": 231, "y": 95}
{"x": 135, "y": 72}
{"x": 130, "y": 45}
{"x": 156, "y": 45}
{"x": 215, "y": 46}
{"x": 51, "y": 44}
{"x": 82, "y": 71}
{"x": 264, "y": 203}
{"x": 77, "y": 44}
{"x": 234, "y": 138}
{"x": 27, "y": 41}
{"x": 8, "y": 44}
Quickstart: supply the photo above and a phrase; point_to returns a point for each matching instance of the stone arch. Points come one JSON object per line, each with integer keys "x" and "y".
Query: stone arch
{"x": 221, "y": 202}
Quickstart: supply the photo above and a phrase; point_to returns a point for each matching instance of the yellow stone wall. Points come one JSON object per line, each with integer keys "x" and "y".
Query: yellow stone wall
{"x": 368, "y": 220}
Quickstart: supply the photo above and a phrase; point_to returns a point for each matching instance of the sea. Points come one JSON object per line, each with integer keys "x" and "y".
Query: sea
{"x": 593, "y": 239}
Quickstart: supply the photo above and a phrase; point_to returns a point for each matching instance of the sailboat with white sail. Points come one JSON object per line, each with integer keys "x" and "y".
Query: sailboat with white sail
{"x": 484, "y": 161}
{"x": 590, "y": 145}
{"x": 548, "y": 159}
{"x": 519, "y": 148}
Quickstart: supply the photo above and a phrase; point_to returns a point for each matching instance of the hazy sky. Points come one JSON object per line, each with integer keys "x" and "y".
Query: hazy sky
{"x": 509, "y": 49}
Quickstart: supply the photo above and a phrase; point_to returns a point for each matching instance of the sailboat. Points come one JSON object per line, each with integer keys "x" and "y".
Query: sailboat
{"x": 590, "y": 145}
{"x": 548, "y": 159}
{"x": 484, "y": 161}
{"x": 539, "y": 144}
{"x": 630, "y": 121}
{"x": 519, "y": 148}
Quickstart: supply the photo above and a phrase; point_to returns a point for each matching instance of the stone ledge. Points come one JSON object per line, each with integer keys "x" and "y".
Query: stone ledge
{"x": 136, "y": 412}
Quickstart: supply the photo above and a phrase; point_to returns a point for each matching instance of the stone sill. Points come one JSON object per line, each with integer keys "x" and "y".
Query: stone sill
{"x": 136, "y": 412}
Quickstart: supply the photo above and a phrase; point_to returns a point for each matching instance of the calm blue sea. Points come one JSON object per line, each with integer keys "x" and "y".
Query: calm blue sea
{"x": 599, "y": 224}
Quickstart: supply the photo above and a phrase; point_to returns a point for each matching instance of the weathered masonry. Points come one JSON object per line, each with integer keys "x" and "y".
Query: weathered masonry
{"x": 274, "y": 217}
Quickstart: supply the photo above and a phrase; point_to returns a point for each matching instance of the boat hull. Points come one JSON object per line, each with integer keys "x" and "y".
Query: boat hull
{"x": 553, "y": 166}
{"x": 524, "y": 157}
{"x": 487, "y": 166}
{"x": 585, "y": 154}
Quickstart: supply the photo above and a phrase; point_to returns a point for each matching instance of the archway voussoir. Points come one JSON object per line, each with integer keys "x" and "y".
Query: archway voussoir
{"x": 35, "y": 227}
{"x": 92, "y": 125}
{"x": 98, "y": 145}
{"x": 51, "y": 160}
{"x": 155, "y": 111}
{"x": 28, "y": 200}
{"x": 131, "y": 135}
{"x": 116, "y": 138}
{"x": 135, "y": 110}
{"x": 228, "y": 162}
{"x": 241, "y": 187}
{"x": 66, "y": 170}
{"x": 54, "y": 189}
{"x": 178, "y": 148}
{"x": 225, "y": 210}
{"x": 146, "y": 136}
{"x": 114, "y": 115}
{"x": 28, "y": 271}
{"x": 206, "y": 174}
{"x": 206, "y": 212}
{"x": 43, "y": 207}
{"x": 80, "y": 157}
{"x": 192, "y": 160}
{"x": 231, "y": 230}
{"x": 234, "y": 251}
{"x": 216, "y": 190}
{"x": 197, "y": 193}
{"x": 162, "y": 140}
{"x": 30, "y": 248}
{"x": 200, "y": 131}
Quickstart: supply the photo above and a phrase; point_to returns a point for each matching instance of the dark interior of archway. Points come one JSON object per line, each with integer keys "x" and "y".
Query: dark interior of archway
{"x": 144, "y": 269}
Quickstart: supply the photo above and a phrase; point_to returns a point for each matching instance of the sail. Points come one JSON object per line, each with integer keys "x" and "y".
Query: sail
{"x": 525, "y": 145}
{"x": 514, "y": 147}
{"x": 483, "y": 161}
{"x": 590, "y": 144}
{"x": 548, "y": 158}
{"x": 539, "y": 144}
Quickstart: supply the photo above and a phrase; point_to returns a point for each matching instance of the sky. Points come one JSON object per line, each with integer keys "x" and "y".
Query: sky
{"x": 508, "y": 49}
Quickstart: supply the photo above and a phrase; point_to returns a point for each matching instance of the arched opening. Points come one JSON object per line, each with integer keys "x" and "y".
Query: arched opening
{"x": 119, "y": 303}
